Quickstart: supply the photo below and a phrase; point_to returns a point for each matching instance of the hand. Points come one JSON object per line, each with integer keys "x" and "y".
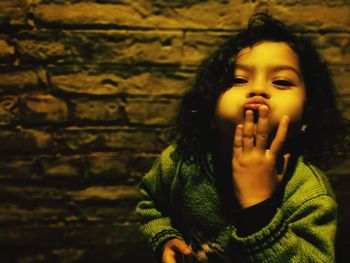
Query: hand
{"x": 175, "y": 249}
{"x": 254, "y": 172}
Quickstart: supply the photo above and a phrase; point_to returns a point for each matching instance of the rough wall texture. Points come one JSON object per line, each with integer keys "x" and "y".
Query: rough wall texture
{"x": 87, "y": 90}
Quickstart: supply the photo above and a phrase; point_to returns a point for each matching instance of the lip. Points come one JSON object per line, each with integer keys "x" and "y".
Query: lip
{"x": 254, "y": 104}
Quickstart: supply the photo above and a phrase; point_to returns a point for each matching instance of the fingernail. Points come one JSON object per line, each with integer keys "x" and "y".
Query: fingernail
{"x": 286, "y": 118}
{"x": 263, "y": 107}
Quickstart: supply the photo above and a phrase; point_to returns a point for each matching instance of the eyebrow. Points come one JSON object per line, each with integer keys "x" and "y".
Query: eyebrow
{"x": 273, "y": 68}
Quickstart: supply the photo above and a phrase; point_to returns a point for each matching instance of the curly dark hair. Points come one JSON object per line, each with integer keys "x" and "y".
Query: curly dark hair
{"x": 323, "y": 143}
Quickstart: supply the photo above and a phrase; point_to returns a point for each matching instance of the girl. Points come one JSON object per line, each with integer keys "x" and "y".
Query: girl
{"x": 239, "y": 184}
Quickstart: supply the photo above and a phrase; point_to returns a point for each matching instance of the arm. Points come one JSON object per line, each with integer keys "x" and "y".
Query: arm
{"x": 302, "y": 232}
{"x": 154, "y": 208}
{"x": 307, "y": 235}
{"x": 254, "y": 168}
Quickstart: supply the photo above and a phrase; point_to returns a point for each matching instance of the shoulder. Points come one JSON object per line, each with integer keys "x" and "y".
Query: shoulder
{"x": 169, "y": 157}
{"x": 307, "y": 183}
{"x": 166, "y": 164}
{"x": 162, "y": 170}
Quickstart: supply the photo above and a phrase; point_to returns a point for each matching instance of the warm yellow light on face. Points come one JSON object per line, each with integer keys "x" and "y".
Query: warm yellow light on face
{"x": 267, "y": 72}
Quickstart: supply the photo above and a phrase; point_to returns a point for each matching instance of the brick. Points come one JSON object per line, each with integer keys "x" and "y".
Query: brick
{"x": 17, "y": 167}
{"x": 89, "y": 84}
{"x": 28, "y": 212}
{"x": 108, "y": 139}
{"x": 301, "y": 16}
{"x": 6, "y": 51}
{"x": 190, "y": 16}
{"x": 105, "y": 193}
{"x": 126, "y": 167}
{"x": 87, "y": 196}
{"x": 107, "y": 46}
{"x": 89, "y": 13}
{"x": 33, "y": 197}
{"x": 165, "y": 81}
{"x": 310, "y": 2}
{"x": 24, "y": 141}
{"x": 11, "y": 214}
{"x": 13, "y": 12}
{"x": 142, "y": 163}
{"x": 41, "y": 108}
{"x": 71, "y": 236}
{"x": 160, "y": 47}
{"x": 125, "y": 253}
{"x": 21, "y": 80}
{"x": 172, "y": 82}
{"x": 38, "y": 205}
{"x": 8, "y": 110}
{"x": 144, "y": 14}
{"x": 108, "y": 213}
{"x": 199, "y": 45}
{"x": 333, "y": 47}
{"x": 171, "y": 47}
{"x": 107, "y": 165}
{"x": 152, "y": 111}
{"x": 58, "y": 255}
{"x": 58, "y": 166}
{"x": 81, "y": 140}
{"x": 103, "y": 110}
{"x": 60, "y": 170}
{"x": 30, "y": 51}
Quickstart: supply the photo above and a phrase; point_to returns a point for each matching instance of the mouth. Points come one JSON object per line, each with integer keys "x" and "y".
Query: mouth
{"x": 254, "y": 106}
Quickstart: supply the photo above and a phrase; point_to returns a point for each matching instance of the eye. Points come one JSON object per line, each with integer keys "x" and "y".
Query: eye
{"x": 239, "y": 81}
{"x": 283, "y": 83}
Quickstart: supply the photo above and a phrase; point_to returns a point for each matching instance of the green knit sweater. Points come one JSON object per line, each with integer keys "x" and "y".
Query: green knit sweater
{"x": 178, "y": 203}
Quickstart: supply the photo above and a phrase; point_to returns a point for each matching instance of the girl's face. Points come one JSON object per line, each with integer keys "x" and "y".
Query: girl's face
{"x": 266, "y": 73}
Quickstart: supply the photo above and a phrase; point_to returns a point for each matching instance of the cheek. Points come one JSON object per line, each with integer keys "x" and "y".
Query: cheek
{"x": 229, "y": 107}
{"x": 292, "y": 108}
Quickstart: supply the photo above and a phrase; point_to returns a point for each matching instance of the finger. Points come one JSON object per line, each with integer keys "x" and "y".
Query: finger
{"x": 248, "y": 131}
{"x": 181, "y": 246}
{"x": 168, "y": 256}
{"x": 285, "y": 166}
{"x": 280, "y": 137}
{"x": 263, "y": 128}
{"x": 238, "y": 138}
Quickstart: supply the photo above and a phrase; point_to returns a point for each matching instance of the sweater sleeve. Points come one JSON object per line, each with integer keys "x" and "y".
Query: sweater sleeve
{"x": 308, "y": 235}
{"x": 156, "y": 223}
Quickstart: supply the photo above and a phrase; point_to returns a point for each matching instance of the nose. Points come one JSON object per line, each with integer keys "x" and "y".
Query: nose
{"x": 259, "y": 89}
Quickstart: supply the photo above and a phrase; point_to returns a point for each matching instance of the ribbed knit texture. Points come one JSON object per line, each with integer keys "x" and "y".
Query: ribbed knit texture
{"x": 177, "y": 203}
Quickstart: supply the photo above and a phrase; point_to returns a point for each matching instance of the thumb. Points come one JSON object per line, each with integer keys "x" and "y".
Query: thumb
{"x": 181, "y": 246}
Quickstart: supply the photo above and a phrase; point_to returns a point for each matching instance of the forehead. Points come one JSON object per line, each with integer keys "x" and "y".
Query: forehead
{"x": 268, "y": 52}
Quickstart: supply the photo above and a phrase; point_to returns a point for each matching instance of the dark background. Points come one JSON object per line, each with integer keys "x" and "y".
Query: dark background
{"x": 87, "y": 91}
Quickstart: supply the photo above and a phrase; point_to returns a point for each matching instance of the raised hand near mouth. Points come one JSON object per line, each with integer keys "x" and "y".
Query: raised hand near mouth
{"x": 254, "y": 171}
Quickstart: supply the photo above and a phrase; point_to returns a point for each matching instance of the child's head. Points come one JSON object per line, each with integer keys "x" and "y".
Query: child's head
{"x": 265, "y": 73}
{"x": 221, "y": 80}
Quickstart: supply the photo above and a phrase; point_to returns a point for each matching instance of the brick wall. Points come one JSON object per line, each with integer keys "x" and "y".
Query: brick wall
{"x": 87, "y": 90}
